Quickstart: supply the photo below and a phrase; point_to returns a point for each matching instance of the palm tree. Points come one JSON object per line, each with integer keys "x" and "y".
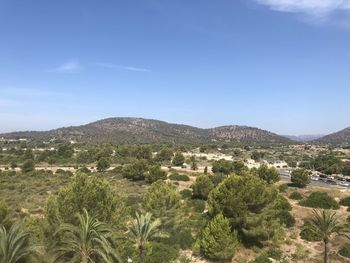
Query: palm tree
{"x": 141, "y": 230}
{"x": 14, "y": 245}
{"x": 86, "y": 242}
{"x": 325, "y": 224}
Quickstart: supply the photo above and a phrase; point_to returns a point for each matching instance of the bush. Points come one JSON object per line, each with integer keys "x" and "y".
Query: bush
{"x": 283, "y": 188}
{"x": 345, "y": 201}
{"x": 218, "y": 178}
{"x": 286, "y": 218}
{"x": 320, "y": 200}
{"x": 186, "y": 193}
{"x": 216, "y": 240}
{"x": 135, "y": 171}
{"x": 300, "y": 252}
{"x": 262, "y": 259}
{"x": 274, "y": 253}
{"x": 179, "y": 177}
{"x": 281, "y": 203}
{"x": 183, "y": 239}
{"x": 345, "y": 251}
{"x": 307, "y": 234}
{"x": 84, "y": 170}
{"x": 198, "y": 205}
{"x": 161, "y": 253}
{"x": 155, "y": 173}
{"x": 296, "y": 196}
{"x": 300, "y": 177}
{"x": 202, "y": 187}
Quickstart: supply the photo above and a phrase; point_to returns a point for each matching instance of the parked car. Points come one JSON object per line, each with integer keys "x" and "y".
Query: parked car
{"x": 330, "y": 181}
{"x": 344, "y": 184}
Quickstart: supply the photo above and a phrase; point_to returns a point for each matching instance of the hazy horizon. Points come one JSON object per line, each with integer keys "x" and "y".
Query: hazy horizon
{"x": 171, "y": 122}
{"x": 281, "y": 66}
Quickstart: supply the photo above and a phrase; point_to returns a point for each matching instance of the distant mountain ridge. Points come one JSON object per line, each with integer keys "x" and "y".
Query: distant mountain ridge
{"x": 338, "y": 138}
{"x": 304, "y": 138}
{"x": 139, "y": 130}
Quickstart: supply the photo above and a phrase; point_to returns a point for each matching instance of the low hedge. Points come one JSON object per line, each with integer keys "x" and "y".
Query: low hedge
{"x": 296, "y": 196}
{"x": 345, "y": 251}
{"x": 286, "y": 218}
{"x": 179, "y": 177}
{"x": 320, "y": 200}
{"x": 345, "y": 201}
{"x": 307, "y": 234}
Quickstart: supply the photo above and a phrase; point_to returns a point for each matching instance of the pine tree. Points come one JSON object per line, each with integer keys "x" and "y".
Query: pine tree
{"x": 216, "y": 240}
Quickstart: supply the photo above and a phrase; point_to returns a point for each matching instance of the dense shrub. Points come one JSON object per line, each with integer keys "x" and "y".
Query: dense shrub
{"x": 296, "y": 196}
{"x": 202, "y": 187}
{"x": 179, "y": 177}
{"x": 286, "y": 218}
{"x": 274, "y": 253}
{"x": 300, "y": 177}
{"x": 161, "y": 253}
{"x": 155, "y": 173}
{"x": 218, "y": 178}
{"x": 186, "y": 193}
{"x": 307, "y": 234}
{"x": 281, "y": 203}
{"x": 283, "y": 188}
{"x": 216, "y": 240}
{"x": 183, "y": 239}
{"x": 84, "y": 170}
{"x": 345, "y": 251}
{"x": 198, "y": 205}
{"x": 345, "y": 201}
{"x": 320, "y": 200}
{"x": 135, "y": 171}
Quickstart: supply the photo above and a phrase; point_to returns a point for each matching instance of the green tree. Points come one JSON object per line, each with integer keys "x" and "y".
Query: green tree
{"x": 144, "y": 152}
{"x": 155, "y": 173}
{"x": 216, "y": 241}
{"x": 28, "y": 166}
{"x": 194, "y": 165}
{"x": 142, "y": 230}
{"x": 257, "y": 156}
{"x": 222, "y": 166}
{"x": 270, "y": 175}
{"x": 136, "y": 171}
{"x": 206, "y": 170}
{"x": 164, "y": 202}
{"x": 164, "y": 155}
{"x": 202, "y": 187}
{"x": 103, "y": 164}
{"x": 85, "y": 242}
{"x": 65, "y": 151}
{"x": 325, "y": 224}
{"x": 14, "y": 245}
{"x": 246, "y": 202}
{"x": 92, "y": 193}
{"x": 178, "y": 159}
{"x": 300, "y": 177}
{"x": 227, "y": 167}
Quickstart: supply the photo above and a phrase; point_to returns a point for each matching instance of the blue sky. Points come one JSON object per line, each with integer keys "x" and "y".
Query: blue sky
{"x": 280, "y": 65}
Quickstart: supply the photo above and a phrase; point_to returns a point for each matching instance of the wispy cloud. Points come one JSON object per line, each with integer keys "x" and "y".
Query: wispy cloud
{"x": 71, "y": 66}
{"x": 29, "y": 92}
{"x": 119, "y": 67}
{"x": 314, "y": 10}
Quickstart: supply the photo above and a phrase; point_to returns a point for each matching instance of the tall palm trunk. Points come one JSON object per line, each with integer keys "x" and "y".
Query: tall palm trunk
{"x": 142, "y": 254}
{"x": 325, "y": 255}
